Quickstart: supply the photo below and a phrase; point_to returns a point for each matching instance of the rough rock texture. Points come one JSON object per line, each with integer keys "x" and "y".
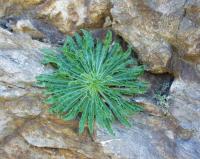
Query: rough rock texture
{"x": 26, "y": 26}
{"x": 68, "y": 15}
{"x": 158, "y": 30}
{"x": 26, "y": 129}
{"x": 31, "y": 17}
{"x": 165, "y": 35}
{"x": 185, "y": 95}
{"x": 155, "y": 136}
{"x": 16, "y": 7}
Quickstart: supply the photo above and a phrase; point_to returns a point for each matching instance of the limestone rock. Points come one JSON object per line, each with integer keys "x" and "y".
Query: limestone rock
{"x": 67, "y": 16}
{"x": 9, "y": 7}
{"x": 20, "y": 63}
{"x": 18, "y": 148}
{"x": 185, "y": 103}
{"x": 150, "y": 48}
{"x": 159, "y": 30}
{"x": 24, "y": 107}
{"x": 8, "y": 124}
{"x": 150, "y": 137}
{"x": 43, "y": 133}
{"x": 165, "y": 35}
{"x": 185, "y": 107}
{"x": 26, "y": 129}
{"x": 26, "y": 26}
{"x": 53, "y": 16}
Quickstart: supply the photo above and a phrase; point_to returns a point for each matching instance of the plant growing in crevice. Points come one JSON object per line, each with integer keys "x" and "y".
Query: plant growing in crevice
{"x": 90, "y": 81}
{"x": 161, "y": 97}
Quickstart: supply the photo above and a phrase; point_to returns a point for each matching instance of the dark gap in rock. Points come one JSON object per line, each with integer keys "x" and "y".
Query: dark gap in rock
{"x": 6, "y": 22}
{"x": 159, "y": 83}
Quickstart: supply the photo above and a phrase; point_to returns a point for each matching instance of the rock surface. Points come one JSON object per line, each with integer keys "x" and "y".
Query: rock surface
{"x": 26, "y": 129}
{"x": 159, "y": 31}
{"x": 166, "y": 38}
{"x": 60, "y": 15}
{"x": 26, "y": 26}
{"x": 165, "y": 35}
{"x": 72, "y": 14}
{"x": 155, "y": 136}
{"x": 16, "y": 7}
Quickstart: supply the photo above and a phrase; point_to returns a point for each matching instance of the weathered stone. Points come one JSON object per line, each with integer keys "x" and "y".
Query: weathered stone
{"x": 23, "y": 112}
{"x": 158, "y": 30}
{"x": 19, "y": 65}
{"x": 149, "y": 105}
{"x": 49, "y": 18}
{"x": 18, "y": 148}
{"x": 20, "y": 58}
{"x": 185, "y": 103}
{"x": 26, "y": 26}
{"x": 43, "y": 133}
{"x": 150, "y": 48}
{"x": 8, "y": 124}
{"x": 154, "y": 141}
{"x": 192, "y": 11}
{"x": 185, "y": 107}
{"x": 24, "y": 107}
{"x": 161, "y": 137}
{"x": 67, "y": 16}
{"x": 165, "y": 34}
{"x": 9, "y": 7}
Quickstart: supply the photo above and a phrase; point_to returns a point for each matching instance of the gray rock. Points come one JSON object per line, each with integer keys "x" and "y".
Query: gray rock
{"x": 185, "y": 103}
{"x": 23, "y": 113}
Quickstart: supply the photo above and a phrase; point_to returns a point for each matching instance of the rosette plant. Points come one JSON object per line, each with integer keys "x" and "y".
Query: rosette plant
{"x": 91, "y": 81}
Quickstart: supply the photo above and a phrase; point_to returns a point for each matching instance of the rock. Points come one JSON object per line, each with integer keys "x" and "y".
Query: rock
{"x": 165, "y": 36}
{"x": 185, "y": 103}
{"x": 26, "y": 128}
{"x": 130, "y": 143}
{"x": 159, "y": 31}
{"x": 46, "y": 19}
{"x": 26, "y": 26}
{"x": 150, "y": 48}
{"x": 185, "y": 107}
{"x": 19, "y": 64}
{"x": 24, "y": 107}
{"x": 70, "y": 15}
{"x": 18, "y": 148}
{"x": 160, "y": 138}
{"x": 16, "y": 6}
{"x": 47, "y": 134}
{"x": 176, "y": 135}
{"x": 192, "y": 11}
{"x": 149, "y": 105}
{"x": 8, "y": 124}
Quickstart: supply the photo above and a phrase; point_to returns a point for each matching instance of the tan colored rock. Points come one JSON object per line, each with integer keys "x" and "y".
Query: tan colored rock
{"x": 8, "y": 124}
{"x": 158, "y": 30}
{"x": 150, "y": 48}
{"x": 17, "y": 147}
{"x": 9, "y": 7}
{"x": 48, "y": 134}
{"x": 29, "y": 106}
{"x": 23, "y": 113}
{"x": 25, "y": 26}
{"x": 67, "y": 16}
